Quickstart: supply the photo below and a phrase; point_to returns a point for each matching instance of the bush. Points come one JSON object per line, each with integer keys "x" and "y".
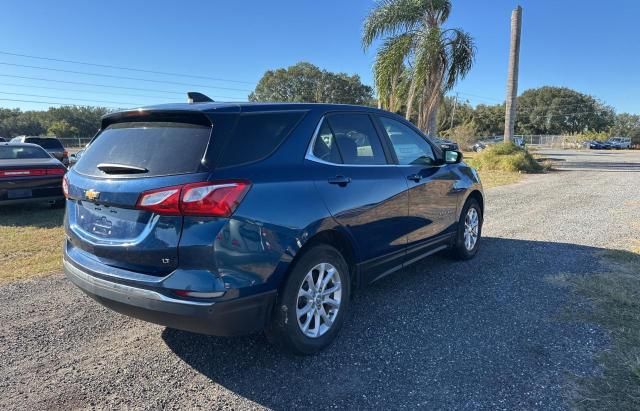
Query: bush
{"x": 506, "y": 157}
{"x": 463, "y": 134}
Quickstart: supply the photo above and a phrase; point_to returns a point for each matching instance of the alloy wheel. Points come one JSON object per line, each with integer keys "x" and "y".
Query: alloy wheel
{"x": 471, "y": 228}
{"x": 319, "y": 298}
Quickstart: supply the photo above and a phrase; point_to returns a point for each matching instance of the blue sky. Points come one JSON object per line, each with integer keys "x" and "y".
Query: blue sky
{"x": 591, "y": 46}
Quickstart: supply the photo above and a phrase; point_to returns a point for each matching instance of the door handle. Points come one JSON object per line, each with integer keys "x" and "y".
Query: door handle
{"x": 342, "y": 181}
{"x": 415, "y": 177}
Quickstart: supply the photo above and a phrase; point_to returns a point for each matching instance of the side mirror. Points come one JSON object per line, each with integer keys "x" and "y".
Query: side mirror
{"x": 452, "y": 157}
{"x": 72, "y": 156}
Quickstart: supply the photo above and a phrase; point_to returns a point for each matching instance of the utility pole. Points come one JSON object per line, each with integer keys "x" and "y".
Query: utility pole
{"x": 453, "y": 112}
{"x": 512, "y": 78}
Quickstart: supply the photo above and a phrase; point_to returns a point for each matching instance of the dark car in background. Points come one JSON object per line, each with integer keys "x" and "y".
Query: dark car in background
{"x": 51, "y": 144}
{"x": 2, "y": 139}
{"x": 29, "y": 174}
{"x": 228, "y": 219}
{"x": 594, "y": 145}
{"x": 446, "y": 144}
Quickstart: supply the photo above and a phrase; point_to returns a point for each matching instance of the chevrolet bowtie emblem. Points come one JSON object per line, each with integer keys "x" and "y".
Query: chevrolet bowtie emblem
{"x": 92, "y": 194}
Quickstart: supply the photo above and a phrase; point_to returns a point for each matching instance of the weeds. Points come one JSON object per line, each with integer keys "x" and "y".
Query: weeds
{"x": 507, "y": 157}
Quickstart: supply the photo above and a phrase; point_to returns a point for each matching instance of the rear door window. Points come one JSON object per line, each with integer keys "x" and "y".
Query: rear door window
{"x": 161, "y": 148}
{"x": 325, "y": 147}
{"x": 357, "y": 139}
{"x": 256, "y": 136}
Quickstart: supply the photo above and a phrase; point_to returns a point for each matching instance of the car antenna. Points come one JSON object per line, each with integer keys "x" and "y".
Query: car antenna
{"x": 195, "y": 97}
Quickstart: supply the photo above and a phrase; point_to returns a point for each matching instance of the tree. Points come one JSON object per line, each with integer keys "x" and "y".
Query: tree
{"x": 560, "y": 110}
{"x": 512, "y": 77}
{"x": 627, "y": 125}
{"x": 489, "y": 120}
{"x": 23, "y": 123}
{"x": 305, "y": 82}
{"x": 62, "y": 128}
{"x": 82, "y": 121}
{"x": 453, "y": 113}
{"x": 415, "y": 45}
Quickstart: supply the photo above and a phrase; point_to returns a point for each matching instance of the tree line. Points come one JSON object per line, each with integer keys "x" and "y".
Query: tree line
{"x": 65, "y": 121}
{"x": 545, "y": 110}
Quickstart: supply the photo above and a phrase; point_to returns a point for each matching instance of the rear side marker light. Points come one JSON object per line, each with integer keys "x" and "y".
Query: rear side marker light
{"x": 214, "y": 199}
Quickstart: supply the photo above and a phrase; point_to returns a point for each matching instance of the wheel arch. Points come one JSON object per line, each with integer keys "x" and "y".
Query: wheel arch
{"x": 477, "y": 195}
{"x": 337, "y": 239}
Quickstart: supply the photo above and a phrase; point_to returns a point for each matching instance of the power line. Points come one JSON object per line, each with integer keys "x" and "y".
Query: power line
{"x": 73, "y": 99}
{"x": 49, "y": 102}
{"x": 93, "y": 84}
{"x": 120, "y": 77}
{"x": 90, "y": 91}
{"x": 166, "y": 73}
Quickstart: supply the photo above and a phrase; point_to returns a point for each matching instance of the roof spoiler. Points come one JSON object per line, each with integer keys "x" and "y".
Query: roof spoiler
{"x": 195, "y": 97}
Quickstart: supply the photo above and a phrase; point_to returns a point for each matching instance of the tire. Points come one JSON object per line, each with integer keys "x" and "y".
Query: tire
{"x": 286, "y": 328}
{"x": 460, "y": 249}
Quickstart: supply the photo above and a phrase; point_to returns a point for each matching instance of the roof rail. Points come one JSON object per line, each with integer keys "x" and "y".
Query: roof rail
{"x": 195, "y": 97}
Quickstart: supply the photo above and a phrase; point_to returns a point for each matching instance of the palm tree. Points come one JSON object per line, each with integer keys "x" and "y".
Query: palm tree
{"x": 418, "y": 57}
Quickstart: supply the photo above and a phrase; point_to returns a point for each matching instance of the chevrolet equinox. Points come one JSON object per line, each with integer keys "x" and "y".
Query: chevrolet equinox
{"x": 229, "y": 219}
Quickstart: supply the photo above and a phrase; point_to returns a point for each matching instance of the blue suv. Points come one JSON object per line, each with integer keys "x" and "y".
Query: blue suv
{"x": 228, "y": 219}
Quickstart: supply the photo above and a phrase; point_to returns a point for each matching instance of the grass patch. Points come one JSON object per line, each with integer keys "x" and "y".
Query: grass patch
{"x": 506, "y": 157}
{"x": 615, "y": 295}
{"x": 494, "y": 178}
{"x": 30, "y": 241}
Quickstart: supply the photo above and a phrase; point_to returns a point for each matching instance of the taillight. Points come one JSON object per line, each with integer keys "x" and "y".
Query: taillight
{"x": 65, "y": 187}
{"x": 215, "y": 199}
{"x": 162, "y": 201}
{"x": 30, "y": 172}
{"x": 212, "y": 199}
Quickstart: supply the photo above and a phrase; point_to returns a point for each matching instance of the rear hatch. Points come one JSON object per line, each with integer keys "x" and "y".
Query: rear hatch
{"x": 128, "y": 157}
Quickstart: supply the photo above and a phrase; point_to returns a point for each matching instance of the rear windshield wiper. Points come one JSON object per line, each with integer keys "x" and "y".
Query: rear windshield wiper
{"x": 121, "y": 169}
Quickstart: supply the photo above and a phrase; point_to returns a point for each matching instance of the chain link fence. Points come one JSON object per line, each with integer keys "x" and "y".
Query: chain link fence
{"x": 75, "y": 142}
{"x": 552, "y": 141}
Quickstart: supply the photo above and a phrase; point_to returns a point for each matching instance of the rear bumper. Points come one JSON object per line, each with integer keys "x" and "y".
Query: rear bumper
{"x": 242, "y": 315}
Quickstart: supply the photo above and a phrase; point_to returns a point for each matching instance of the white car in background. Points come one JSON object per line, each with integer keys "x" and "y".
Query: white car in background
{"x": 620, "y": 142}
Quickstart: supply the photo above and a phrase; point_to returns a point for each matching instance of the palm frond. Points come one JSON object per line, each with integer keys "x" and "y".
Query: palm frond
{"x": 392, "y": 17}
{"x": 460, "y": 51}
{"x": 389, "y": 63}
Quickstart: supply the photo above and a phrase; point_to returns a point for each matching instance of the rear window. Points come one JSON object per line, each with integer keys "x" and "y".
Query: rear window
{"x": 161, "y": 148}
{"x": 50, "y": 143}
{"x": 18, "y": 152}
{"x": 257, "y": 135}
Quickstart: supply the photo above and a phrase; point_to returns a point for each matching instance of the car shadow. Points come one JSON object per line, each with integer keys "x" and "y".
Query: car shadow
{"x": 482, "y": 333}
{"x": 39, "y": 215}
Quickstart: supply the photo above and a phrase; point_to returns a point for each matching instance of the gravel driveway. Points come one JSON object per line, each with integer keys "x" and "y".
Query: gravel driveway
{"x": 484, "y": 334}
